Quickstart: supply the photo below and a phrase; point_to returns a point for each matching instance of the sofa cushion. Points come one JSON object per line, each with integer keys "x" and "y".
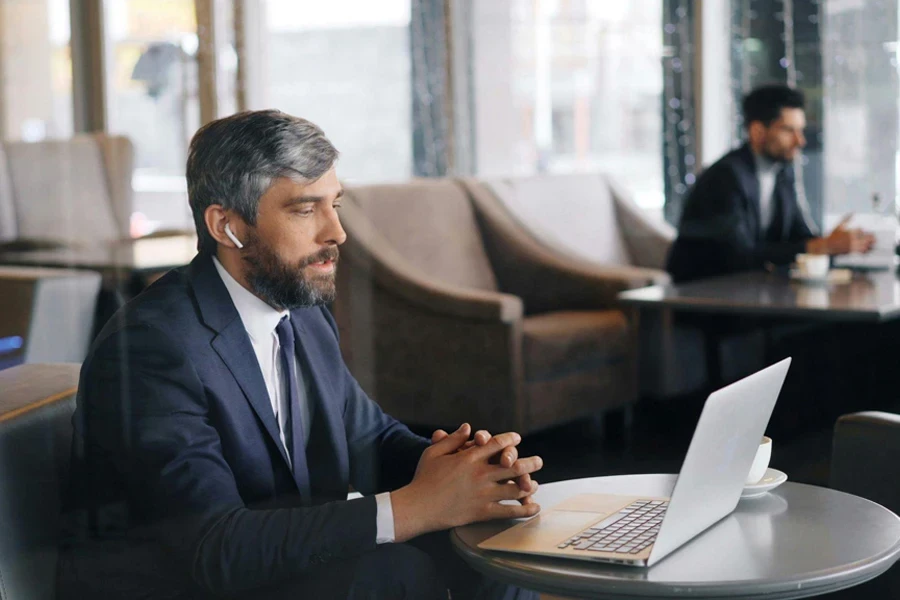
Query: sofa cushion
{"x": 575, "y": 213}
{"x": 557, "y": 344}
{"x": 430, "y": 222}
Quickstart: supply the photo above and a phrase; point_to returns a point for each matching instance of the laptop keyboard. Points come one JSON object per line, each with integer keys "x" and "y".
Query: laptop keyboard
{"x": 628, "y": 531}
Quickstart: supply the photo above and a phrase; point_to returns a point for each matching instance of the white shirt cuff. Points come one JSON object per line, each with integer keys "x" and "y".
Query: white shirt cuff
{"x": 384, "y": 519}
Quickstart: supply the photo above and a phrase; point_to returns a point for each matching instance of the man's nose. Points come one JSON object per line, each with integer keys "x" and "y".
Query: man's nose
{"x": 333, "y": 232}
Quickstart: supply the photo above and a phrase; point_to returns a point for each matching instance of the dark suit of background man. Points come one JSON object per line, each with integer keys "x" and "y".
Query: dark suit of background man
{"x": 218, "y": 429}
{"x": 743, "y": 212}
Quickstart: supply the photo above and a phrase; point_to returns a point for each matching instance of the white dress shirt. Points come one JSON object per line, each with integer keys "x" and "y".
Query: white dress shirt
{"x": 260, "y": 321}
{"x": 766, "y": 173}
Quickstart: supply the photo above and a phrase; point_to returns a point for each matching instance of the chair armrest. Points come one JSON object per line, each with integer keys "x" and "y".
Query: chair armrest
{"x": 367, "y": 251}
{"x": 545, "y": 277}
{"x": 864, "y": 461}
{"x": 648, "y": 240}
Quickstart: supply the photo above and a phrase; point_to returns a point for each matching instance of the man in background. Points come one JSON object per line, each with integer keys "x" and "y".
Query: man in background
{"x": 743, "y": 211}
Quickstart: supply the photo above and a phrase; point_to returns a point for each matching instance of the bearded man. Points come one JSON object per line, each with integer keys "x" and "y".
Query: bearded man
{"x": 743, "y": 213}
{"x": 218, "y": 430}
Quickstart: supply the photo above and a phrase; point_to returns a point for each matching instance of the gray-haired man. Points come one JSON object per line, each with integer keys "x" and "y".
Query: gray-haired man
{"x": 221, "y": 428}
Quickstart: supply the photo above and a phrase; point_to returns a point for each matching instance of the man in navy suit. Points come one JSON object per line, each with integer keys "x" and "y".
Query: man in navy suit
{"x": 743, "y": 211}
{"x": 218, "y": 428}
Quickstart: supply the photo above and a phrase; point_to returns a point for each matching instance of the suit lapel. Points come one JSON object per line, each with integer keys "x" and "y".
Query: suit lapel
{"x": 326, "y": 453}
{"x": 232, "y": 343}
{"x": 750, "y": 182}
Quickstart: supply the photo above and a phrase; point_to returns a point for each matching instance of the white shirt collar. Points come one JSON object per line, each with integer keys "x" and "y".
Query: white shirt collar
{"x": 764, "y": 165}
{"x": 259, "y": 319}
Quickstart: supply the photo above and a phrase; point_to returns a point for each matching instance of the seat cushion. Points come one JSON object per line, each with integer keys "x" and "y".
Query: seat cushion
{"x": 558, "y": 344}
{"x": 430, "y": 222}
{"x": 575, "y": 213}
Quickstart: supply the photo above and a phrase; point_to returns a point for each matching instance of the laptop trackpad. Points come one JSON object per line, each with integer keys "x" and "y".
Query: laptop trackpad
{"x": 542, "y": 532}
{"x": 564, "y": 520}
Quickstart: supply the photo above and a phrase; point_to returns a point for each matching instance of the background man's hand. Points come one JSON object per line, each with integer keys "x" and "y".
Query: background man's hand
{"x": 842, "y": 240}
{"x": 455, "y": 485}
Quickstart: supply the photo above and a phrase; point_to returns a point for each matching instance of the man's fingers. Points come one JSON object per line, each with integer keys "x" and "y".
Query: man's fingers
{"x": 523, "y": 466}
{"x": 529, "y": 499}
{"x": 496, "y": 444}
{"x": 524, "y": 482}
{"x": 452, "y": 442}
{"x": 843, "y": 222}
{"x": 507, "y": 491}
{"x": 508, "y": 457}
{"x": 438, "y": 435}
{"x": 512, "y": 511}
{"x": 482, "y": 437}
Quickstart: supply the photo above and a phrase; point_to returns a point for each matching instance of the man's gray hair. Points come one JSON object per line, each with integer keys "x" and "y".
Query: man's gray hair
{"x": 235, "y": 160}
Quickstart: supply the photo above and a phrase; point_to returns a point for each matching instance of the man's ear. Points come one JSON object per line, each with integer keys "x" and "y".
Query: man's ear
{"x": 756, "y": 132}
{"x": 216, "y": 219}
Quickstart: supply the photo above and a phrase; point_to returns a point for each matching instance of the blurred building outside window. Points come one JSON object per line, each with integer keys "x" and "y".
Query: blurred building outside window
{"x": 587, "y": 85}
{"x": 151, "y": 50}
{"x": 37, "y": 69}
{"x": 344, "y": 65}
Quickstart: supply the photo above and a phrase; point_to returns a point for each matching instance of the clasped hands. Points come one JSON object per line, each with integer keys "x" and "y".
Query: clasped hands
{"x": 461, "y": 480}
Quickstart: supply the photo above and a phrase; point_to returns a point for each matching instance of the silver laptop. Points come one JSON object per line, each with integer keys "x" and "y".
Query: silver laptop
{"x": 641, "y": 531}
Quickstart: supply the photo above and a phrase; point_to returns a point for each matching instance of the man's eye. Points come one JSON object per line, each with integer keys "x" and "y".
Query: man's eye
{"x": 304, "y": 213}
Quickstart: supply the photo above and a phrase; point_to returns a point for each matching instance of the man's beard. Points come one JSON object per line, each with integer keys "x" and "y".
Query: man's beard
{"x": 779, "y": 158}
{"x": 282, "y": 285}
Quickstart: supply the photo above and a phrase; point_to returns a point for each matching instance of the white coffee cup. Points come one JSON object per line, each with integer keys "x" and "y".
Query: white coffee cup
{"x": 760, "y": 461}
{"x": 813, "y": 265}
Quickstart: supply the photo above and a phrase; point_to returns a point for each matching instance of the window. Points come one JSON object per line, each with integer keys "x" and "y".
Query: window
{"x": 862, "y": 115}
{"x": 37, "y": 70}
{"x": 152, "y": 98}
{"x": 780, "y": 42}
{"x": 587, "y": 86}
{"x": 345, "y": 65}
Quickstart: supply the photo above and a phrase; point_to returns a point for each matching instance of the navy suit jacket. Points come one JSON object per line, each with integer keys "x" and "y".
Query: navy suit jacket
{"x": 720, "y": 231}
{"x": 178, "y": 458}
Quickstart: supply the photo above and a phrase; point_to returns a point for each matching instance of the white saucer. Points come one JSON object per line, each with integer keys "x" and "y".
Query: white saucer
{"x": 804, "y": 278}
{"x": 836, "y": 276}
{"x": 771, "y": 480}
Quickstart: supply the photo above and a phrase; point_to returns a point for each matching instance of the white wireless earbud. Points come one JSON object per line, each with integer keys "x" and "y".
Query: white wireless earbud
{"x": 232, "y": 237}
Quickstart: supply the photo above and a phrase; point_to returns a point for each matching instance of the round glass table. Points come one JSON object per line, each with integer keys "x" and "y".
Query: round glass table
{"x": 793, "y": 542}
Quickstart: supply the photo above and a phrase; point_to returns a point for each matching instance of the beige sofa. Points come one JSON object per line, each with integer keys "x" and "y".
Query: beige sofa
{"x": 450, "y": 312}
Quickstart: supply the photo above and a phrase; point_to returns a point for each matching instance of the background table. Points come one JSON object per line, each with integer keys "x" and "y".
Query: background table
{"x": 795, "y": 542}
{"x": 871, "y": 296}
{"x": 133, "y": 256}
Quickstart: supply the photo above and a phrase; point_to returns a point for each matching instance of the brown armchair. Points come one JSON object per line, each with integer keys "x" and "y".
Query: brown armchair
{"x": 448, "y": 313}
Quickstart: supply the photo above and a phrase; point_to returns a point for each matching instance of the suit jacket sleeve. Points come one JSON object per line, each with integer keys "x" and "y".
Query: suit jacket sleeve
{"x": 146, "y": 416}
{"x": 716, "y": 234}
